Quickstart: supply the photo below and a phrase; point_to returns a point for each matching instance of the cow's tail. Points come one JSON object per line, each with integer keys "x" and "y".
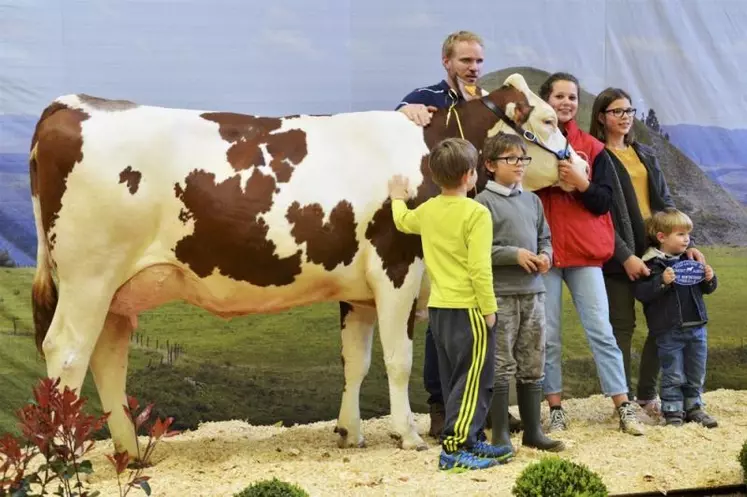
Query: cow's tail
{"x": 44, "y": 290}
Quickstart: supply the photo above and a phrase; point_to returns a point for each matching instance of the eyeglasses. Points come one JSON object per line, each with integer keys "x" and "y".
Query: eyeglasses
{"x": 630, "y": 112}
{"x": 515, "y": 161}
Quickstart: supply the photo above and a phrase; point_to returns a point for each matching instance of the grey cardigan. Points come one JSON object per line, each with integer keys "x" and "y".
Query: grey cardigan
{"x": 630, "y": 230}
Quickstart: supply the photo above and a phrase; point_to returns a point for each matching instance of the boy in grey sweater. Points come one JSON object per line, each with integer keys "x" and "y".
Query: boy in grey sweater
{"x": 521, "y": 252}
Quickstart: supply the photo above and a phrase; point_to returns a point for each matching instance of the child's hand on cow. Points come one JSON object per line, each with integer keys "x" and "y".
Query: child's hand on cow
{"x": 528, "y": 260}
{"x": 569, "y": 175}
{"x": 398, "y": 186}
{"x": 544, "y": 263}
{"x": 668, "y": 276}
{"x": 708, "y": 273}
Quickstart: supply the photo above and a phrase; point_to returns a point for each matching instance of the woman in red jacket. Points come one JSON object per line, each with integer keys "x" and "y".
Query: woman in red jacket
{"x": 583, "y": 239}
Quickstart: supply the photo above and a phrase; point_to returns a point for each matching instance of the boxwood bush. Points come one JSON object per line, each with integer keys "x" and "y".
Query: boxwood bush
{"x": 272, "y": 488}
{"x": 556, "y": 477}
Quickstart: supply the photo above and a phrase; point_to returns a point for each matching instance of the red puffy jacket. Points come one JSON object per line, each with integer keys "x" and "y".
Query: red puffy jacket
{"x": 579, "y": 237}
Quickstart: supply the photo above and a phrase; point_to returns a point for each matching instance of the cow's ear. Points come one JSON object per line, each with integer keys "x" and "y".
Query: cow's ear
{"x": 519, "y": 112}
{"x": 517, "y": 81}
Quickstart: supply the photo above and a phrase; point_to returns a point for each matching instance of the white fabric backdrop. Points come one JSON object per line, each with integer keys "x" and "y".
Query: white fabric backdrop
{"x": 684, "y": 58}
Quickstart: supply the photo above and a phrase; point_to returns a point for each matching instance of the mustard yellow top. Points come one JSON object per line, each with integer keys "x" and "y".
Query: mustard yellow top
{"x": 457, "y": 237}
{"x": 638, "y": 176}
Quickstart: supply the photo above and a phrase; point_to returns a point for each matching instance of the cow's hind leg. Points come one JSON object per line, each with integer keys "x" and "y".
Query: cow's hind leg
{"x": 74, "y": 330}
{"x": 357, "y": 325}
{"x": 109, "y": 368}
{"x": 396, "y": 311}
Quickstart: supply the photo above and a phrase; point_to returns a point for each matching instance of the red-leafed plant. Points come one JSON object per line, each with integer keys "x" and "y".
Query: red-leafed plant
{"x": 55, "y": 428}
{"x": 155, "y": 430}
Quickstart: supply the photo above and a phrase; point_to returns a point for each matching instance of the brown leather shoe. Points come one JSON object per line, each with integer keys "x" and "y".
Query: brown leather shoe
{"x": 438, "y": 418}
{"x": 514, "y": 424}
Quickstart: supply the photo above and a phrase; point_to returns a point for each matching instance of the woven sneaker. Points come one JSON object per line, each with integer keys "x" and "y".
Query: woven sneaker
{"x": 629, "y": 422}
{"x": 461, "y": 460}
{"x": 488, "y": 451}
{"x": 558, "y": 420}
{"x": 698, "y": 415}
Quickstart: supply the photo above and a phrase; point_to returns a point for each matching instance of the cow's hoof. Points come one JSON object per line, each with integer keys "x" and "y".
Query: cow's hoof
{"x": 347, "y": 441}
{"x": 413, "y": 442}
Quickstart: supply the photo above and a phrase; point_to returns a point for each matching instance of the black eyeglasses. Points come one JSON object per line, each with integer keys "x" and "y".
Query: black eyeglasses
{"x": 619, "y": 112}
{"x": 515, "y": 161}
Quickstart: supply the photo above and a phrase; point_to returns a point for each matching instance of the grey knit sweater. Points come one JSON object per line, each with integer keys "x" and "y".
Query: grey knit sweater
{"x": 518, "y": 222}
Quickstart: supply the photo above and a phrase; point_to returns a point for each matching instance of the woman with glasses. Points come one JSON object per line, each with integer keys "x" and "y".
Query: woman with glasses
{"x": 583, "y": 238}
{"x": 639, "y": 189}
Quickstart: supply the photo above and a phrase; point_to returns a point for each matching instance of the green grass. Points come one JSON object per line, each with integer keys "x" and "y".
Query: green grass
{"x": 727, "y": 308}
{"x": 286, "y": 367}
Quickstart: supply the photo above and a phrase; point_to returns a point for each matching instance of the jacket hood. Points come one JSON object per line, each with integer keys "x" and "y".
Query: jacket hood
{"x": 655, "y": 253}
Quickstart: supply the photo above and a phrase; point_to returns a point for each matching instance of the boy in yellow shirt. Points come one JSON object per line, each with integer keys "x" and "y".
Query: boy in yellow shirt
{"x": 457, "y": 235}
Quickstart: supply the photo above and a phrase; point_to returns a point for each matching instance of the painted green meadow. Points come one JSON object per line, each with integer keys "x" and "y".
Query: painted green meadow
{"x": 286, "y": 367}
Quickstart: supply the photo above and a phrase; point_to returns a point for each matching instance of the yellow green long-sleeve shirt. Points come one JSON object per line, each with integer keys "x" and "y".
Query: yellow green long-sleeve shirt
{"x": 457, "y": 237}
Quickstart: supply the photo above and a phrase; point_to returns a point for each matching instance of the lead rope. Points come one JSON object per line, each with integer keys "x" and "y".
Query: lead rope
{"x": 459, "y": 121}
{"x": 452, "y": 107}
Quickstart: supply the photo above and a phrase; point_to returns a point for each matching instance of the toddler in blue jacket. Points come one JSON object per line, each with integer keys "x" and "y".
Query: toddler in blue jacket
{"x": 672, "y": 297}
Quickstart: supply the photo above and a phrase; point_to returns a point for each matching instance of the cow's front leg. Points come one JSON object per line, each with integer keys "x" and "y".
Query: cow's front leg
{"x": 357, "y": 325}
{"x": 396, "y": 311}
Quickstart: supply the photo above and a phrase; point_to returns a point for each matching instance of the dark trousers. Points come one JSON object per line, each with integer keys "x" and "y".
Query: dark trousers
{"x": 466, "y": 355}
{"x": 622, "y": 318}
{"x": 431, "y": 379}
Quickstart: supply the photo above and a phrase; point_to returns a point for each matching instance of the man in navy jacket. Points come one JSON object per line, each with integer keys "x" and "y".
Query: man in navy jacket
{"x": 462, "y": 58}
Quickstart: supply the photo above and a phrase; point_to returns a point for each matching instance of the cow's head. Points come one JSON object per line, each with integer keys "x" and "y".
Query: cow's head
{"x": 474, "y": 118}
{"x": 545, "y": 142}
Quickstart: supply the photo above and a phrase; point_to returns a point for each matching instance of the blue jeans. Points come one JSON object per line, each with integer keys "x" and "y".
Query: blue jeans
{"x": 586, "y": 285}
{"x": 431, "y": 379}
{"x": 682, "y": 353}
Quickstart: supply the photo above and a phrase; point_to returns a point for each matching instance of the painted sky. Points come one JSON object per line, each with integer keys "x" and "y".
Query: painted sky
{"x": 685, "y": 58}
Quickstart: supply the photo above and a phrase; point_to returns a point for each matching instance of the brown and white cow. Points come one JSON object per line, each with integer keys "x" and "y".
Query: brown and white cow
{"x": 136, "y": 206}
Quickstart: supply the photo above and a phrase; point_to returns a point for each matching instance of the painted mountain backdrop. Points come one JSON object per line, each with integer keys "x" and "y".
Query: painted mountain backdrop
{"x": 719, "y": 218}
{"x": 720, "y": 152}
{"x": 17, "y": 231}
{"x": 683, "y": 58}
{"x": 706, "y": 167}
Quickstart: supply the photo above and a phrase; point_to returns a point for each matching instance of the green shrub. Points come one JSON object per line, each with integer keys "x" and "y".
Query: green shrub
{"x": 272, "y": 488}
{"x": 743, "y": 460}
{"x": 557, "y": 477}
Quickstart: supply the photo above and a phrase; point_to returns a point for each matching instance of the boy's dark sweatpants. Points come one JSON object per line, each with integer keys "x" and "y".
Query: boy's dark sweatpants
{"x": 466, "y": 355}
